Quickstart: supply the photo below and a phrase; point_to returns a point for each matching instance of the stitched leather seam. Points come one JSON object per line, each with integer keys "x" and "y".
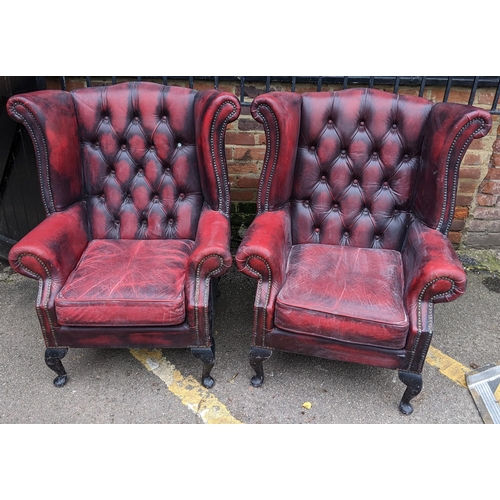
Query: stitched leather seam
{"x": 456, "y": 172}
{"x": 40, "y": 288}
{"x": 205, "y": 299}
{"x": 266, "y": 158}
{"x": 38, "y": 152}
{"x": 222, "y": 157}
{"x": 419, "y": 316}
{"x": 258, "y": 294}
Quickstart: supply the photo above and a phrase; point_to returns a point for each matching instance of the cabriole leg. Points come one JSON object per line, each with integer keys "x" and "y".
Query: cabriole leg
{"x": 257, "y": 356}
{"x": 413, "y": 381}
{"x": 207, "y": 357}
{"x": 53, "y": 358}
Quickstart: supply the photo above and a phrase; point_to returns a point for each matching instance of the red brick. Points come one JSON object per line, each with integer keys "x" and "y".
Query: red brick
{"x": 260, "y": 139}
{"x": 249, "y": 124}
{"x": 249, "y": 154}
{"x": 461, "y": 212}
{"x": 455, "y": 237}
{"x": 487, "y": 213}
{"x": 477, "y": 145}
{"x": 493, "y": 174}
{"x": 245, "y": 168}
{"x": 485, "y": 96}
{"x": 495, "y": 159}
{"x": 463, "y": 199}
{"x": 243, "y": 195}
{"x": 466, "y": 186}
{"x": 457, "y": 225}
{"x": 240, "y": 138}
{"x": 490, "y": 187}
{"x": 244, "y": 182}
{"x": 472, "y": 159}
{"x": 470, "y": 172}
{"x": 486, "y": 200}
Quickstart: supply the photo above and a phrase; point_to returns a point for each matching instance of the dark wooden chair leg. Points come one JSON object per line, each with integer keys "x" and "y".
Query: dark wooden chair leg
{"x": 413, "y": 381}
{"x": 53, "y": 358}
{"x": 207, "y": 357}
{"x": 257, "y": 356}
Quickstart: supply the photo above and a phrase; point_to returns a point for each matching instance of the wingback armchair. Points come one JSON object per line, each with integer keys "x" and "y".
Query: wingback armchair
{"x": 134, "y": 182}
{"x": 349, "y": 245}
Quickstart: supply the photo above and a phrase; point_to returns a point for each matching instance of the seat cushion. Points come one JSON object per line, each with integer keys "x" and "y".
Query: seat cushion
{"x": 344, "y": 293}
{"x": 126, "y": 282}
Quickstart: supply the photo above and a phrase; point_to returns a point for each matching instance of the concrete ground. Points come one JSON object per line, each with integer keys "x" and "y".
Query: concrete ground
{"x": 123, "y": 386}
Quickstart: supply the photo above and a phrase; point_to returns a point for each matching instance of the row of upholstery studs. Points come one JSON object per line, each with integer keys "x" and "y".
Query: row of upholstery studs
{"x": 343, "y": 153}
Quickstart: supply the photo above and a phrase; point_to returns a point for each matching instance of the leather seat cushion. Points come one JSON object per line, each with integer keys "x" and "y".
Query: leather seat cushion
{"x": 126, "y": 282}
{"x": 344, "y": 293}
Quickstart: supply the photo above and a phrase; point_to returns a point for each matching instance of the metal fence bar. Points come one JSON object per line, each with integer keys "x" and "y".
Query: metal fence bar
{"x": 294, "y": 83}
{"x": 345, "y": 82}
{"x": 268, "y": 83}
{"x": 495, "y": 99}
{"x": 320, "y": 83}
{"x": 448, "y": 88}
{"x": 422, "y": 87}
{"x": 473, "y": 90}
{"x": 396, "y": 85}
{"x": 371, "y": 82}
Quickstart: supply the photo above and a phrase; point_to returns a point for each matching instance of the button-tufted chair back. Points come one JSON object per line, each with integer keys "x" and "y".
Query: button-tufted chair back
{"x": 357, "y": 159}
{"x": 140, "y": 169}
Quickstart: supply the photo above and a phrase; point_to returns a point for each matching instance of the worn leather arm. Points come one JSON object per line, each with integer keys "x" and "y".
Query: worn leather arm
{"x": 263, "y": 255}
{"x": 449, "y": 131}
{"x": 49, "y": 253}
{"x": 279, "y": 112}
{"x": 213, "y": 110}
{"x": 433, "y": 273}
{"x": 210, "y": 258}
{"x": 49, "y": 117}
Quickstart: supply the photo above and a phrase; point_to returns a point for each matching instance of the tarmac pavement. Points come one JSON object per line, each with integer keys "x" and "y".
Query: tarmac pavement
{"x": 115, "y": 386}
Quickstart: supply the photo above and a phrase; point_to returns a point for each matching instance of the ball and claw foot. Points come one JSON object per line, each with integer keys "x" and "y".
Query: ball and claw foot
{"x": 413, "y": 381}
{"x": 257, "y": 356}
{"x": 207, "y": 357}
{"x": 53, "y": 358}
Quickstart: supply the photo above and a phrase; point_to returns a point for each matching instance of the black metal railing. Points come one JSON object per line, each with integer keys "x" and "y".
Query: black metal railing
{"x": 265, "y": 82}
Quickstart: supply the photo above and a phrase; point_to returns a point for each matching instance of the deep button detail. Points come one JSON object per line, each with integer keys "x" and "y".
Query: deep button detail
{"x": 396, "y": 212}
{"x": 117, "y": 222}
{"x": 377, "y": 237}
{"x": 312, "y": 148}
{"x": 167, "y": 170}
{"x": 136, "y": 119}
{"x": 170, "y": 221}
{"x": 406, "y": 157}
{"x": 96, "y": 144}
{"x": 112, "y": 171}
{"x": 140, "y": 171}
{"x": 129, "y": 196}
{"x": 330, "y": 121}
{"x": 123, "y": 147}
{"x": 144, "y": 222}
{"x": 365, "y": 211}
{"x": 361, "y": 124}
{"x": 316, "y": 230}
{"x": 163, "y": 118}
{"x": 343, "y": 152}
{"x": 355, "y": 182}
{"x": 156, "y": 198}
{"x": 386, "y": 185}
{"x": 179, "y": 145}
{"x": 182, "y": 196}
{"x": 394, "y": 125}
{"x": 323, "y": 178}
{"x": 106, "y": 118}
{"x": 151, "y": 148}
{"x": 335, "y": 206}
{"x": 346, "y": 234}
{"x": 375, "y": 154}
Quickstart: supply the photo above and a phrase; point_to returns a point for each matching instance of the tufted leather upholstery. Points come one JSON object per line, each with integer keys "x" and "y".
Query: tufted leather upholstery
{"x": 356, "y": 196}
{"x": 129, "y": 175}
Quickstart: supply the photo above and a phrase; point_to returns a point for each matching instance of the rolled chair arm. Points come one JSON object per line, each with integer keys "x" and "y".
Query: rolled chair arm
{"x": 210, "y": 258}
{"x": 263, "y": 255}
{"x": 49, "y": 253}
{"x": 433, "y": 273}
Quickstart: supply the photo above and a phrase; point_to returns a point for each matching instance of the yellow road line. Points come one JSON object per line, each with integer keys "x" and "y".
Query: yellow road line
{"x": 187, "y": 389}
{"x": 447, "y": 366}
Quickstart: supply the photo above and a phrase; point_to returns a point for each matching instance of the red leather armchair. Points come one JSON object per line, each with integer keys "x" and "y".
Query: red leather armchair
{"x": 134, "y": 183}
{"x": 349, "y": 247}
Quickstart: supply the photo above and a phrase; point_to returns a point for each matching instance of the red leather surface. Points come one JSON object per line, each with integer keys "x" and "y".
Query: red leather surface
{"x": 139, "y": 162}
{"x": 356, "y": 169}
{"x": 126, "y": 282}
{"x": 344, "y": 293}
{"x": 49, "y": 118}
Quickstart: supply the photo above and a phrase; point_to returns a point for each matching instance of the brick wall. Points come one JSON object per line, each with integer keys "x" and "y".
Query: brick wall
{"x": 477, "y": 216}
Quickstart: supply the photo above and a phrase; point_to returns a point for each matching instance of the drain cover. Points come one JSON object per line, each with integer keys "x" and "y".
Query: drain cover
{"x": 484, "y": 386}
